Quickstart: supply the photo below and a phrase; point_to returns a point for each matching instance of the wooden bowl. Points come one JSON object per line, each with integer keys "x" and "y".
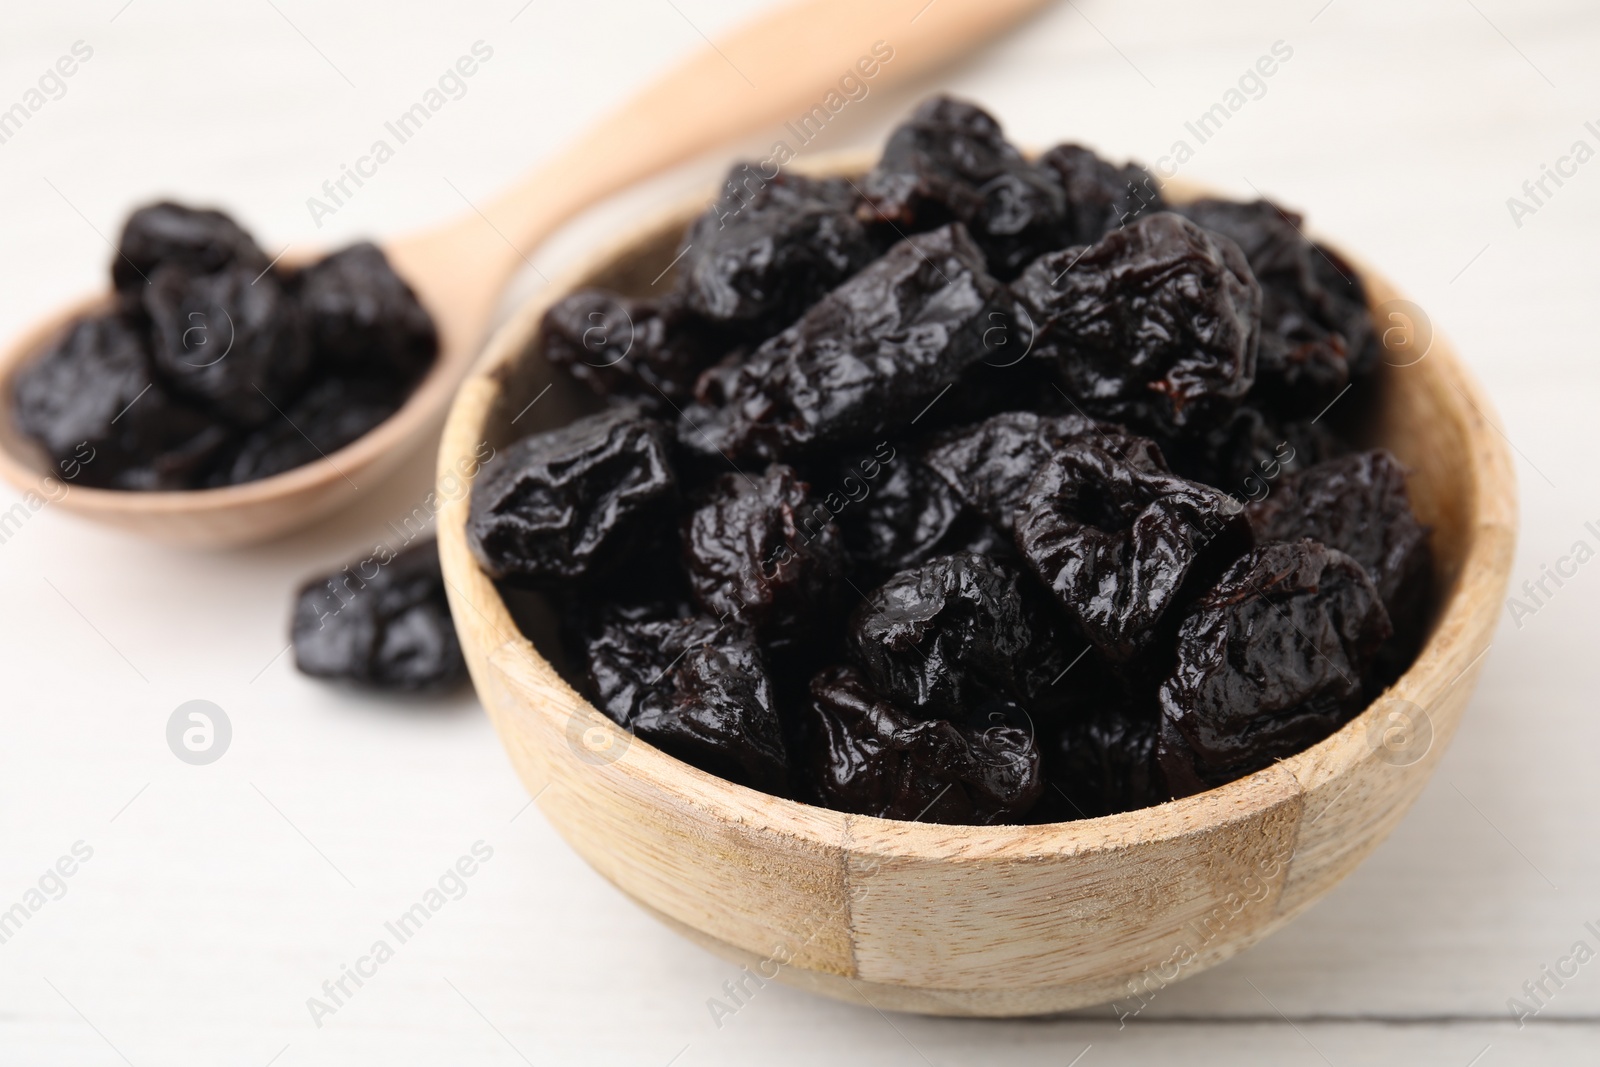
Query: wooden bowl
{"x": 993, "y": 920}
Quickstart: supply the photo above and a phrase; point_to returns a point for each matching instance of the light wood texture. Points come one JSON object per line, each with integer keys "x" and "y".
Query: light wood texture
{"x": 775, "y": 67}
{"x": 993, "y": 920}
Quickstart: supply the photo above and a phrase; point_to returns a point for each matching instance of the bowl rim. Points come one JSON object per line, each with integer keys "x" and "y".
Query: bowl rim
{"x": 1491, "y": 517}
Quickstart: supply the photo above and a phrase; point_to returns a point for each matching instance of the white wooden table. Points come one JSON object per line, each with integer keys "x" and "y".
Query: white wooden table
{"x": 218, "y": 899}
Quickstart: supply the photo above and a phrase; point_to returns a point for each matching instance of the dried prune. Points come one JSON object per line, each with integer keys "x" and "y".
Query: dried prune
{"x": 937, "y": 638}
{"x": 950, "y": 162}
{"x": 326, "y": 417}
{"x": 363, "y": 319}
{"x": 1245, "y": 454}
{"x": 556, "y": 506}
{"x": 1309, "y": 333}
{"x": 768, "y": 249}
{"x": 991, "y": 464}
{"x": 91, "y": 402}
{"x": 196, "y": 241}
{"x": 641, "y": 350}
{"x": 765, "y": 552}
{"x": 1100, "y": 196}
{"x": 1274, "y": 658}
{"x": 1359, "y": 505}
{"x": 865, "y": 360}
{"x": 389, "y": 629}
{"x": 1120, "y": 540}
{"x": 1156, "y": 325}
{"x": 228, "y": 339}
{"x": 872, "y": 758}
{"x": 697, "y": 689}
{"x": 910, "y": 515}
{"x": 1101, "y": 762}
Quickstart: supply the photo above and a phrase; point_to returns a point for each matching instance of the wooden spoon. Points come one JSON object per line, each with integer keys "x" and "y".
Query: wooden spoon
{"x": 777, "y": 67}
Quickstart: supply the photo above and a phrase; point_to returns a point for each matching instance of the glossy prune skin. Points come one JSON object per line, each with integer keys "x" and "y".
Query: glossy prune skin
{"x": 950, "y": 162}
{"x": 764, "y": 551}
{"x": 938, "y": 638}
{"x": 1359, "y": 505}
{"x": 767, "y": 249}
{"x": 1272, "y": 659}
{"x": 1100, "y": 196}
{"x": 1120, "y": 540}
{"x": 697, "y": 689}
{"x": 870, "y": 757}
{"x": 864, "y": 362}
{"x": 910, "y": 515}
{"x": 557, "y": 506}
{"x": 1308, "y": 331}
{"x": 91, "y": 402}
{"x": 1155, "y": 326}
{"x": 330, "y": 414}
{"x": 232, "y": 342}
{"x": 363, "y": 319}
{"x": 646, "y": 351}
{"x": 388, "y": 629}
{"x": 194, "y": 240}
{"x": 991, "y": 464}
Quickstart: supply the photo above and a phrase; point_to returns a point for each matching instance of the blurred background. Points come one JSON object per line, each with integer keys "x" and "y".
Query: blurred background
{"x": 216, "y": 900}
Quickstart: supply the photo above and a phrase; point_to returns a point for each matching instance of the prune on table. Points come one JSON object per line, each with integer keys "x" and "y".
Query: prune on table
{"x": 330, "y": 414}
{"x": 91, "y": 402}
{"x": 759, "y": 256}
{"x": 867, "y": 359}
{"x": 193, "y": 240}
{"x": 1100, "y": 196}
{"x": 1246, "y": 453}
{"x": 763, "y": 551}
{"x": 363, "y": 319}
{"x": 1359, "y": 505}
{"x": 990, "y": 464}
{"x": 697, "y": 689}
{"x": 647, "y": 351}
{"x": 560, "y": 505}
{"x": 872, "y": 758}
{"x": 1156, "y": 325}
{"x": 389, "y": 629}
{"x": 1121, "y": 541}
{"x": 1309, "y": 332}
{"x": 229, "y": 340}
{"x": 1275, "y": 657}
{"x": 939, "y": 638}
{"x": 950, "y": 162}
{"x": 1101, "y": 762}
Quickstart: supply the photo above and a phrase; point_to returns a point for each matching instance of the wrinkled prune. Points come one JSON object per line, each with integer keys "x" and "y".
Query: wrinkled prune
{"x": 91, "y": 402}
{"x": 697, "y": 689}
{"x": 991, "y": 464}
{"x": 1305, "y": 353}
{"x": 867, "y": 359}
{"x": 558, "y": 505}
{"x": 937, "y": 638}
{"x": 872, "y": 758}
{"x": 1274, "y": 658}
{"x": 326, "y": 417}
{"x": 1157, "y": 325}
{"x": 363, "y": 319}
{"x": 638, "y": 349}
{"x": 196, "y": 241}
{"x": 1119, "y": 539}
{"x": 390, "y": 629}
{"x": 767, "y": 250}
{"x": 229, "y": 340}
{"x": 1101, "y": 762}
{"x": 1359, "y": 505}
{"x": 1100, "y": 197}
{"x": 950, "y": 162}
{"x": 1248, "y": 452}
{"x": 765, "y": 552}
{"x": 911, "y": 515}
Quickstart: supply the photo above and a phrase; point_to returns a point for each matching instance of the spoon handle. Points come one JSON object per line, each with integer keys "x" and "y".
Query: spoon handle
{"x": 778, "y": 67}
